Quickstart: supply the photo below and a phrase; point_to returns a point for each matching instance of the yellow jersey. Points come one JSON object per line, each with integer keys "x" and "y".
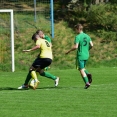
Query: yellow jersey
{"x": 45, "y": 48}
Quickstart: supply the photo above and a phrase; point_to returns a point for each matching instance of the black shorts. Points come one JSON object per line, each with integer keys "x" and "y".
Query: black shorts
{"x": 42, "y": 62}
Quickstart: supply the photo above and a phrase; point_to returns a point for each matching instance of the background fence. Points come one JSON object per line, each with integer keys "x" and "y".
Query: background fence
{"x": 29, "y": 15}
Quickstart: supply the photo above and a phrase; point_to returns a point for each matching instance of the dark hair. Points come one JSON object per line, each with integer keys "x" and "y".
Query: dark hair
{"x": 34, "y": 36}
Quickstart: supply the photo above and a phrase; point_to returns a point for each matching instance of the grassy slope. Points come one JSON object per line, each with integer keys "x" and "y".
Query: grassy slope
{"x": 102, "y": 53}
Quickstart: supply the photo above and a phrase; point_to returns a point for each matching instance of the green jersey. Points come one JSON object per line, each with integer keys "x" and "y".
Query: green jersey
{"x": 47, "y": 38}
{"x": 83, "y": 41}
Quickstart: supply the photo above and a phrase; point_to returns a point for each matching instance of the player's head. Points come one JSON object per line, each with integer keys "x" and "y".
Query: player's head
{"x": 79, "y": 28}
{"x": 35, "y": 36}
{"x": 40, "y": 33}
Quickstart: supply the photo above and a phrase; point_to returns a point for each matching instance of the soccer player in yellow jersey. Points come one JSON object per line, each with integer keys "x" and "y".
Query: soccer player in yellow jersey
{"x": 34, "y": 76}
{"x": 43, "y": 60}
{"x": 43, "y": 36}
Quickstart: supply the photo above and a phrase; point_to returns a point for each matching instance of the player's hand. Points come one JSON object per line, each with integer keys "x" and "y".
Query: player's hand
{"x": 26, "y": 50}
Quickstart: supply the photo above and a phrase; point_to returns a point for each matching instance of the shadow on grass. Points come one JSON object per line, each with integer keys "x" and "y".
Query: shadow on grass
{"x": 9, "y": 88}
{"x": 40, "y": 88}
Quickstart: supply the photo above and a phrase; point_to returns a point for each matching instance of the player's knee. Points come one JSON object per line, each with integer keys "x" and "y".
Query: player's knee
{"x": 81, "y": 69}
{"x": 31, "y": 68}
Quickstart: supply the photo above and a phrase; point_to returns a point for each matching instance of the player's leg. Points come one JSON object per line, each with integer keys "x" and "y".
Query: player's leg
{"x": 31, "y": 74}
{"x": 44, "y": 63}
{"x": 34, "y": 82}
{"x": 25, "y": 85}
{"x": 83, "y": 74}
{"x": 50, "y": 76}
{"x": 89, "y": 75}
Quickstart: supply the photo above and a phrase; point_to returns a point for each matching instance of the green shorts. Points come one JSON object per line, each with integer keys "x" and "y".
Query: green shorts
{"x": 81, "y": 64}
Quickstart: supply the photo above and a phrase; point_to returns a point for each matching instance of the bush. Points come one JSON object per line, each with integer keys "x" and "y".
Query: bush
{"x": 103, "y": 16}
{"x": 107, "y": 36}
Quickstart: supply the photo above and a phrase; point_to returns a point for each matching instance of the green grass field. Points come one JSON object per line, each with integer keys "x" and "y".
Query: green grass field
{"x": 69, "y": 99}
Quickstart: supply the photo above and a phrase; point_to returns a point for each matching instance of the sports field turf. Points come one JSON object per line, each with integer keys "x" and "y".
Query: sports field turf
{"x": 69, "y": 99}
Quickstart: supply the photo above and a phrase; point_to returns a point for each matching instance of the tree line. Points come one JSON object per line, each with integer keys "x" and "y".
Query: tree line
{"x": 97, "y": 15}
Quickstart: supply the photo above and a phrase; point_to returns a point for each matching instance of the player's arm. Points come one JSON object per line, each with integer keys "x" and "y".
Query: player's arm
{"x": 73, "y": 48}
{"x": 90, "y": 45}
{"x": 34, "y": 48}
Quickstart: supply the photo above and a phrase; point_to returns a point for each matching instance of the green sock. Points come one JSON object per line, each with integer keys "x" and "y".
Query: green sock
{"x": 28, "y": 78}
{"x": 48, "y": 75}
{"x": 85, "y": 79}
{"x": 86, "y": 71}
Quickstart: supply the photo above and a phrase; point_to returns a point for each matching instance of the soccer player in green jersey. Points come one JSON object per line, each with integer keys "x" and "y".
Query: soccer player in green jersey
{"x": 43, "y": 60}
{"x": 83, "y": 44}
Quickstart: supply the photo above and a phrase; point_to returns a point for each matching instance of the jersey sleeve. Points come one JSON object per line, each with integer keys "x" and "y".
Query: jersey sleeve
{"x": 76, "y": 40}
{"x": 38, "y": 42}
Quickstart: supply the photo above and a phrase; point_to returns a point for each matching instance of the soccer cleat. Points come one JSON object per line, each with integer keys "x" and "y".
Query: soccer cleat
{"x": 34, "y": 84}
{"x": 57, "y": 82}
{"x": 87, "y": 86}
{"x": 23, "y": 87}
{"x": 89, "y": 78}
